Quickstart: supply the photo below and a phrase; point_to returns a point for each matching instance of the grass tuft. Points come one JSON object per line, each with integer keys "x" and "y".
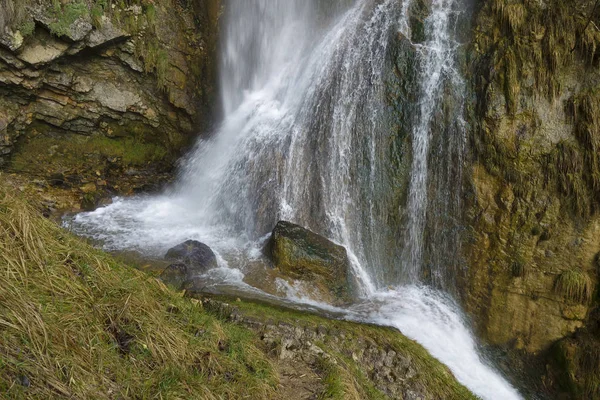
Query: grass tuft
{"x": 575, "y": 286}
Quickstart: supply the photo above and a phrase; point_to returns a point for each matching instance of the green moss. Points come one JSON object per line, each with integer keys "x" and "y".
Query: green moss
{"x": 42, "y": 154}
{"x": 27, "y": 28}
{"x": 541, "y": 38}
{"x": 65, "y": 15}
{"x": 575, "y": 286}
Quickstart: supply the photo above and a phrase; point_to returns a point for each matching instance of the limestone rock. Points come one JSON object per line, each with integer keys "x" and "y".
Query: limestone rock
{"x": 43, "y": 50}
{"x": 107, "y": 33}
{"x": 73, "y": 87}
{"x": 110, "y": 96}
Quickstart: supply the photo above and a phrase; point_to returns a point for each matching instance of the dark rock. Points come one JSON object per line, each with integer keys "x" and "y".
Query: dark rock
{"x": 24, "y": 380}
{"x": 305, "y": 255}
{"x": 197, "y": 257}
{"x": 56, "y": 179}
{"x": 175, "y": 274}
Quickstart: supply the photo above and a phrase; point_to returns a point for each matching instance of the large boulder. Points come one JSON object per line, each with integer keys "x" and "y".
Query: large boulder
{"x": 306, "y": 256}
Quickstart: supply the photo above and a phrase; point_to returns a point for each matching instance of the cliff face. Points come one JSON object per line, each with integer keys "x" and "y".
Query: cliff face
{"x": 99, "y": 95}
{"x": 534, "y": 184}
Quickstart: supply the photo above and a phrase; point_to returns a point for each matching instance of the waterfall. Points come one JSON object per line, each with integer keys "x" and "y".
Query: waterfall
{"x": 309, "y": 135}
{"x": 440, "y": 83}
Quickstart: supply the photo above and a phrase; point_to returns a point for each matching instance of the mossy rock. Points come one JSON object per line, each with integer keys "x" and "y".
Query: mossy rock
{"x": 305, "y": 255}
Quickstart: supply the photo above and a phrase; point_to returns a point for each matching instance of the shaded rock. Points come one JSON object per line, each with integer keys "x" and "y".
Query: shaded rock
{"x": 305, "y": 255}
{"x": 197, "y": 257}
{"x": 175, "y": 274}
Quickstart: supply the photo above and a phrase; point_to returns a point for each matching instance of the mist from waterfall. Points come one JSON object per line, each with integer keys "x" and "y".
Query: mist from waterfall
{"x": 307, "y": 136}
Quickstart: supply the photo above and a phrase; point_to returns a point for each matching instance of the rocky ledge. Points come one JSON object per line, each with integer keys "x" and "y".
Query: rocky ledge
{"x": 100, "y": 99}
{"x": 311, "y": 352}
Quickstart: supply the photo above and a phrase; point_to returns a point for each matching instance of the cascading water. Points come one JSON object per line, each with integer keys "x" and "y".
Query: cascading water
{"x": 309, "y": 136}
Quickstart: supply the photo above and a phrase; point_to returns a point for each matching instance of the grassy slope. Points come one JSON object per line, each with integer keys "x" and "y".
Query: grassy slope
{"x": 76, "y": 323}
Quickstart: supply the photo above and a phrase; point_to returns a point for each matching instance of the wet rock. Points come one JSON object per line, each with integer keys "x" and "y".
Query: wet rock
{"x": 175, "y": 274}
{"x": 306, "y": 256}
{"x": 196, "y": 256}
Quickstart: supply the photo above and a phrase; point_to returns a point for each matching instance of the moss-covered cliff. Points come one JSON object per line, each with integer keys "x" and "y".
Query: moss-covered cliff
{"x": 534, "y": 184}
{"x": 97, "y": 95}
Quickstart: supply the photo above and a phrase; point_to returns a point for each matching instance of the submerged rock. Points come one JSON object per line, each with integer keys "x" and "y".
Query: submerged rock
{"x": 303, "y": 255}
{"x": 196, "y": 256}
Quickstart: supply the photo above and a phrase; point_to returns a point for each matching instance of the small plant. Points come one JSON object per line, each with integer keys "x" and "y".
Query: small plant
{"x": 575, "y": 286}
{"x": 96, "y": 14}
{"x": 518, "y": 269}
{"x": 65, "y": 16}
{"x": 27, "y": 28}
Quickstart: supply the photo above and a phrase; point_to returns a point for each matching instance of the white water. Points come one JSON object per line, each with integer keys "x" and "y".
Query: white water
{"x": 438, "y": 69}
{"x": 305, "y": 138}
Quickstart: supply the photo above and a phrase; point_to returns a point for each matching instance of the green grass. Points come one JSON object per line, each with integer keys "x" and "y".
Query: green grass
{"x": 74, "y": 323}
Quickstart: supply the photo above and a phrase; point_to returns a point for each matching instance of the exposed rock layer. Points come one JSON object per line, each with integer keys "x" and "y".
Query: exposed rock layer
{"x": 93, "y": 96}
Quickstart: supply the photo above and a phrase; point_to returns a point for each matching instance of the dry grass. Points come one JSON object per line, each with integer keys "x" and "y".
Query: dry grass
{"x": 74, "y": 323}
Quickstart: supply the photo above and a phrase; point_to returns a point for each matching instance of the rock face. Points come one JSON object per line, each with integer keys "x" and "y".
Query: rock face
{"x": 533, "y": 185}
{"x": 92, "y": 92}
{"x": 303, "y": 255}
